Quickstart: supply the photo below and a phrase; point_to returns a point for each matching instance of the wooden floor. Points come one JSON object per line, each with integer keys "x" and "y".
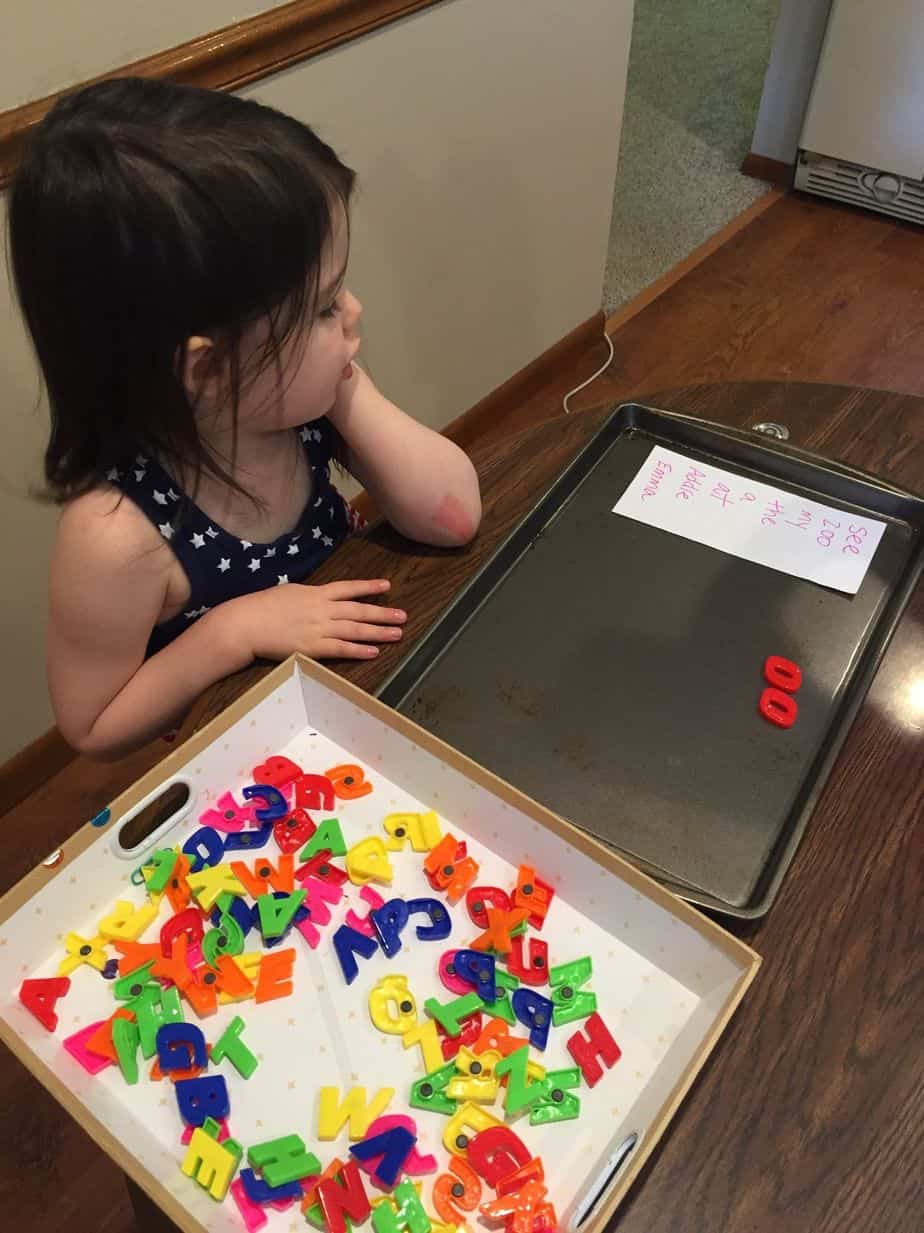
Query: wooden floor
{"x": 807, "y": 291}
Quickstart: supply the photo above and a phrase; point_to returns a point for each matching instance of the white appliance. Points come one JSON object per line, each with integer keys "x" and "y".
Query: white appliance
{"x": 862, "y": 140}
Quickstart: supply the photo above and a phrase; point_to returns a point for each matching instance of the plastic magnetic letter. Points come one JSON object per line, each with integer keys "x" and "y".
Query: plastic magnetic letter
{"x": 322, "y": 867}
{"x": 384, "y": 1155}
{"x": 263, "y": 876}
{"x": 276, "y": 915}
{"x": 212, "y": 1164}
{"x": 429, "y": 1092}
{"x": 283, "y": 1160}
{"x": 520, "y": 1092}
{"x": 125, "y": 1043}
{"x": 155, "y": 1007}
{"x": 523, "y": 1211}
{"x": 568, "y": 998}
{"x": 126, "y": 923}
{"x": 783, "y": 673}
{"x": 293, "y": 830}
{"x": 227, "y": 939}
{"x": 204, "y": 847}
{"x": 227, "y": 815}
{"x": 780, "y": 708}
{"x": 317, "y": 896}
{"x": 450, "y": 1014}
{"x": 252, "y": 1214}
{"x": 229, "y": 1045}
{"x": 367, "y": 861}
{"x": 134, "y": 983}
{"x": 497, "y": 1152}
{"x": 475, "y": 1078}
{"x": 426, "y": 1035}
{"x": 496, "y": 1037}
{"x": 416, "y": 1164}
{"x": 82, "y": 950}
{"x": 533, "y": 893}
{"x": 388, "y": 922}
{"x": 460, "y": 1188}
{"x": 277, "y": 770}
{"x": 275, "y": 973}
{"x": 479, "y": 898}
{"x": 535, "y": 969}
{"x": 596, "y": 1047}
{"x": 260, "y": 1191}
{"x": 250, "y": 840}
{"x": 76, "y": 1046}
{"x": 448, "y": 974}
{"x": 392, "y": 1006}
{"x": 348, "y": 944}
{"x": 497, "y": 935}
{"x": 471, "y": 1031}
{"x": 334, "y": 1114}
{"x": 409, "y": 1215}
{"x": 440, "y": 924}
{"x": 449, "y": 869}
{"x": 207, "y": 884}
{"x": 465, "y": 1123}
{"x": 328, "y": 836}
{"x": 363, "y": 924}
{"x": 162, "y": 865}
{"x": 134, "y": 955}
{"x": 200, "y": 1098}
{"x": 271, "y": 804}
{"x": 343, "y": 1196}
{"x": 535, "y": 1013}
{"x": 181, "y": 1046}
{"x": 314, "y": 792}
{"x": 40, "y": 996}
{"x": 188, "y": 922}
{"x": 348, "y": 781}
{"x": 422, "y": 830}
{"x": 177, "y": 889}
{"x": 500, "y": 1008}
{"x": 232, "y": 905}
{"x": 558, "y": 1104}
{"x": 477, "y": 970}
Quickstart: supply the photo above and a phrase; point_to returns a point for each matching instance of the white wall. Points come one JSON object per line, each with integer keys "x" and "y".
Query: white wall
{"x": 50, "y": 45}
{"x": 485, "y": 133}
{"x": 800, "y": 31}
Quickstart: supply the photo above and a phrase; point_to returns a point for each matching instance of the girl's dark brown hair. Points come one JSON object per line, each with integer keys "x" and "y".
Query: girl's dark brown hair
{"x": 143, "y": 213}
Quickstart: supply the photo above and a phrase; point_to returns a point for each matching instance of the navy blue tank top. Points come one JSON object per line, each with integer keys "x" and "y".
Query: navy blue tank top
{"x": 220, "y": 566}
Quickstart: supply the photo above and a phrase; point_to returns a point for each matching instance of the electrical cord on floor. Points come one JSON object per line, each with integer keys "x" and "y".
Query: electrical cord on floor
{"x": 599, "y": 373}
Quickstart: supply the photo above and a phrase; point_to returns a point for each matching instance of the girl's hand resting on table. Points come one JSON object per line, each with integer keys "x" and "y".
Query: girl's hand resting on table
{"x": 323, "y": 622}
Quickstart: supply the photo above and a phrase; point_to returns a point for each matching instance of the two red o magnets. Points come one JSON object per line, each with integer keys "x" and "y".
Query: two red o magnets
{"x": 777, "y": 703}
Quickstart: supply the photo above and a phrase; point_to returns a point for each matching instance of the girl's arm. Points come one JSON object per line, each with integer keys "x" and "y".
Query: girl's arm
{"x": 423, "y": 484}
{"x": 109, "y": 577}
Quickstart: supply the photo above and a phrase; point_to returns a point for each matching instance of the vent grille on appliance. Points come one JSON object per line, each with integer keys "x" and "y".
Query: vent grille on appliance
{"x": 861, "y": 186}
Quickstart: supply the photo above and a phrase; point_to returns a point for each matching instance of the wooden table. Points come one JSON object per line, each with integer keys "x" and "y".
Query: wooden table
{"x": 809, "y": 1118}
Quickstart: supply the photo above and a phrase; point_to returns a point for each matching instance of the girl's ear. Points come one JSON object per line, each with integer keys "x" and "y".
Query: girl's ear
{"x": 200, "y": 369}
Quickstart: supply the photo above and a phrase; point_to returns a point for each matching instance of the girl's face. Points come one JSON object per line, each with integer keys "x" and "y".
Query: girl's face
{"x": 313, "y": 363}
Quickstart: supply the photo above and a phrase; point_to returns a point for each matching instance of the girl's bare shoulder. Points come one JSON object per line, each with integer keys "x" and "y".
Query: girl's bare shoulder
{"x": 103, "y": 533}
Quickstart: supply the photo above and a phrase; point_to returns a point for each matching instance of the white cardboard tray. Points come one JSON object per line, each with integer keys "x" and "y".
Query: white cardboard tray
{"x": 667, "y": 979}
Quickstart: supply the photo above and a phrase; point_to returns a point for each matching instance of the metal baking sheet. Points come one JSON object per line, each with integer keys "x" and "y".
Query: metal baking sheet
{"x": 612, "y": 670}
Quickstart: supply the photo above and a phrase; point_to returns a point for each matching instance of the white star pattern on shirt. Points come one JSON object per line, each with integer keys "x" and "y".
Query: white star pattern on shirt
{"x": 112, "y": 475}
{"x": 316, "y": 532}
{"x": 159, "y": 497}
{"x": 317, "y": 503}
{"x": 211, "y": 533}
{"x": 165, "y": 529}
{"x": 245, "y": 543}
{"x": 293, "y": 550}
{"x": 174, "y": 496}
{"x": 224, "y": 564}
{"x": 327, "y": 542}
{"x": 254, "y": 564}
{"x": 139, "y": 476}
{"x": 270, "y": 552}
{"x": 196, "y": 612}
{"x": 304, "y": 433}
{"x": 315, "y": 434}
{"x": 197, "y": 540}
{"x": 282, "y": 578}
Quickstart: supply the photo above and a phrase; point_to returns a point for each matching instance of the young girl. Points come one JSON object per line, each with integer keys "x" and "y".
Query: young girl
{"x": 179, "y": 257}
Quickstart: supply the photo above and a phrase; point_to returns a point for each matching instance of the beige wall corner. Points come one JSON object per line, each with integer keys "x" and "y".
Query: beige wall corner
{"x": 485, "y": 134}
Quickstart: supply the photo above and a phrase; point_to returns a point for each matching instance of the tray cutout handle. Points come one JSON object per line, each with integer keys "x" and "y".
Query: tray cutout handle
{"x": 152, "y": 817}
{"x": 602, "y": 1183}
